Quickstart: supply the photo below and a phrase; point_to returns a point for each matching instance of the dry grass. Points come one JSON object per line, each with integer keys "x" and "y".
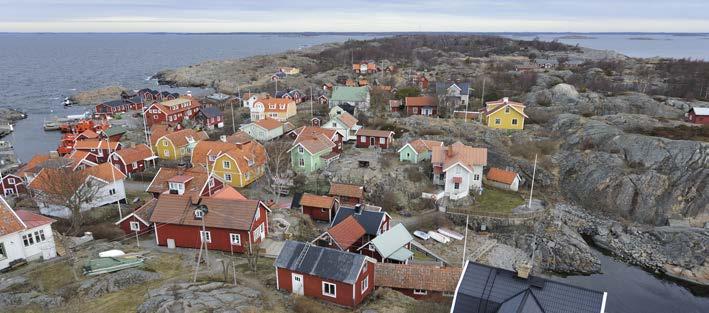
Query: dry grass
{"x": 52, "y": 277}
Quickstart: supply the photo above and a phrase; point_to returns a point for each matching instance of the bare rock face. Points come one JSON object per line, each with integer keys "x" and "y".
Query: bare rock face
{"x": 200, "y": 297}
{"x": 99, "y": 286}
{"x": 644, "y": 178}
{"x": 10, "y": 300}
{"x": 95, "y": 96}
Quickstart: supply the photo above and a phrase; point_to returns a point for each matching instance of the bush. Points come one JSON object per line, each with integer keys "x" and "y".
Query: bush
{"x": 414, "y": 175}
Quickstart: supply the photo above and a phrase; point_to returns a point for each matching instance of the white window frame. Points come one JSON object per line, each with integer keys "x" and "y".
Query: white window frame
{"x": 164, "y": 143}
{"x": 205, "y": 236}
{"x": 3, "y": 251}
{"x": 365, "y": 283}
{"x": 507, "y": 110}
{"x": 301, "y": 162}
{"x": 300, "y": 149}
{"x": 227, "y": 177}
{"x": 134, "y": 226}
{"x": 382, "y": 141}
{"x": 198, "y": 214}
{"x": 27, "y": 240}
{"x": 476, "y": 177}
{"x": 332, "y": 294}
{"x": 11, "y": 180}
{"x": 235, "y": 239}
{"x": 498, "y": 121}
{"x": 371, "y": 247}
{"x": 226, "y": 164}
{"x": 514, "y": 121}
{"x": 420, "y": 292}
{"x": 363, "y": 139}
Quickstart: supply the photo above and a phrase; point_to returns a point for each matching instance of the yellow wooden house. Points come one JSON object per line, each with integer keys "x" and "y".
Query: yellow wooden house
{"x": 504, "y": 114}
{"x": 237, "y": 165}
{"x": 178, "y": 145}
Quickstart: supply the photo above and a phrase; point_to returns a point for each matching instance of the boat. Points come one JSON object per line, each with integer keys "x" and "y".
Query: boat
{"x": 67, "y": 102}
{"x": 66, "y": 144}
{"x": 438, "y": 237}
{"x": 112, "y": 264}
{"x": 51, "y": 125}
{"x": 421, "y": 234}
{"x": 452, "y": 234}
{"x": 111, "y": 253}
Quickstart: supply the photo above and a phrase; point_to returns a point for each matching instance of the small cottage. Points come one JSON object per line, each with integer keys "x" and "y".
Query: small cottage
{"x": 503, "y": 179}
{"x": 504, "y": 114}
{"x": 348, "y": 195}
{"x": 374, "y": 222}
{"x": 698, "y": 115}
{"x": 210, "y": 117}
{"x": 417, "y": 150}
{"x": 347, "y": 235}
{"x": 392, "y": 246}
{"x": 340, "y": 277}
{"x": 27, "y": 236}
{"x": 12, "y": 184}
{"x": 423, "y": 105}
{"x": 172, "y": 111}
{"x": 369, "y": 138}
{"x": 132, "y": 160}
{"x": 138, "y": 221}
{"x": 344, "y": 123}
{"x": 458, "y": 168}
{"x": 419, "y": 281}
{"x": 319, "y": 208}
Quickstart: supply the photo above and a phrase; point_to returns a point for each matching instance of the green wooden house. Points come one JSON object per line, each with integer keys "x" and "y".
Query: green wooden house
{"x": 418, "y": 150}
{"x": 314, "y": 148}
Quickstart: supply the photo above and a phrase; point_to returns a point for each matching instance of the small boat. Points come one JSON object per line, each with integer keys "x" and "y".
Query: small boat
{"x": 67, "y": 102}
{"x": 438, "y": 237}
{"x": 111, "y": 254}
{"x": 452, "y": 234}
{"x": 51, "y": 125}
{"x": 112, "y": 264}
{"x": 421, "y": 234}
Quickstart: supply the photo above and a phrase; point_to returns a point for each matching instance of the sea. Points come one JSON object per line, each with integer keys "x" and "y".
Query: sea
{"x": 38, "y": 70}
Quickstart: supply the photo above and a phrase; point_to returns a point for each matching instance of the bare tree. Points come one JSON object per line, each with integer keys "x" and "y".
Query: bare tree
{"x": 67, "y": 188}
{"x": 645, "y": 74}
{"x": 277, "y": 166}
{"x": 252, "y": 252}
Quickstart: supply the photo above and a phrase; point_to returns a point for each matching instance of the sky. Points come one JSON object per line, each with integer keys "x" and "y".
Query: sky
{"x": 353, "y": 16}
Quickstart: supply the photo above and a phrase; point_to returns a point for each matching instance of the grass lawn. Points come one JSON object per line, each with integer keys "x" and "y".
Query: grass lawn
{"x": 497, "y": 201}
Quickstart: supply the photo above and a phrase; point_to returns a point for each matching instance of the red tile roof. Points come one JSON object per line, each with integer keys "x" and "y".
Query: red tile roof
{"x": 502, "y": 176}
{"x": 134, "y": 154}
{"x": 194, "y": 187}
{"x": 347, "y": 232}
{"x": 352, "y": 191}
{"x": 180, "y": 137}
{"x": 33, "y": 220}
{"x": 88, "y": 144}
{"x": 459, "y": 153}
{"x": 374, "y": 133}
{"x": 423, "y": 101}
{"x": 315, "y": 201}
{"x": 416, "y": 276}
{"x": 268, "y": 123}
{"x": 9, "y": 221}
{"x": 223, "y": 213}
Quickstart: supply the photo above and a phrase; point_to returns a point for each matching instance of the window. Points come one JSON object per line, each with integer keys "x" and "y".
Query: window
{"x": 235, "y": 239}
{"x": 301, "y": 162}
{"x": 212, "y": 158}
{"x": 227, "y": 164}
{"x": 155, "y": 117}
{"x": 415, "y": 110}
{"x": 300, "y": 149}
{"x": 198, "y": 213}
{"x": 206, "y": 236}
{"x": 497, "y": 121}
{"x": 507, "y": 109}
{"x": 135, "y": 164}
{"x": 3, "y": 254}
{"x": 27, "y": 240}
{"x": 41, "y": 235}
{"x": 164, "y": 143}
{"x": 408, "y": 155}
{"x": 420, "y": 292}
{"x": 329, "y": 289}
{"x": 456, "y": 186}
{"x": 11, "y": 180}
{"x": 371, "y": 248}
{"x": 112, "y": 192}
{"x": 227, "y": 176}
{"x": 442, "y": 176}
{"x": 363, "y": 139}
{"x": 476, "y": 177}
{"x": 365, "y": 283}
{"x": 514, "y": 121}
{"x": 211, "y": 182}
{"x": 134, "y": 226}
{"x": 257, "y": 214}
{"x": 382, "y": 141}
{"x": 166, "y": 153}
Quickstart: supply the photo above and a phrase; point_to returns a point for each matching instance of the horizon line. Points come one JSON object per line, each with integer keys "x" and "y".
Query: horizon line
{"x": 367, "y": 33}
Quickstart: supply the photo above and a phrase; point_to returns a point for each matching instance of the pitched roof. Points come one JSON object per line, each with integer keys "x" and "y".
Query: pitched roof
{"x": 210, "y": 111}
{"x": 347, "y": 232}
{"x": 114, "y": 130}
{"x": 143, "y": 213}
{"x": 268, "y": 123}
{"x": 459, "y": 153}
{"x": 392, "y": 240}
{"x": 134, "y": 154}
{"x": 89, "y": 134}
{"x": 500, "y": 175}
{"x": 422, "y": 145}
{"x": 175, "y": 105}
{"x": 251, "y": 152}
{"x": 345, "y": 93}
{"x": 371, "y": 221}
{"x": 498, "y": 290}
{"x": 315, "y": 201}
{"x": 700, "y": 111}
{"x": 416, "y": 276}
{"x": 314, "y": 139}
{"x": 206, "y": 148}
{"x": 194, "y": 187}
{"x": 104, "y": 171}
{"x": 32, "y": 219}
{"x": 347, "y": 190}
{"x": 180, "y": 137}
{"x": 228, "y": 193}
{"x": 326, "y": 263}
{"x": 374, "y": 133}
{"x": 239, "y": 137}
{"x": 88, "y": 144}
{"x": 423, "y": 101}
{"x": 222, "y": 213}
{"x": 40, "y": 161}
{"x": 277, "y": 102}
{"x": 9, "y": 221}
{"x": 347, "y": 119}
{"x": 442, "y": 87}
{"x": 494, "y": 106}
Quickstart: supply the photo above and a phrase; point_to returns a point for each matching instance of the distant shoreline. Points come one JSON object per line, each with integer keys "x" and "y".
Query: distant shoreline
{"x": 683, "y": 34}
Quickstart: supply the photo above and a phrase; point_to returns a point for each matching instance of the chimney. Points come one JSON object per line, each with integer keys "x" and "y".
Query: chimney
{"x": 523, "y": 270}
{"x": 449, "y": 152}
{"x": 358, "y": 208}
{"x": 222, "y": 138}
{"x": 505, "y": 100}
{"x": 53, "y": 154}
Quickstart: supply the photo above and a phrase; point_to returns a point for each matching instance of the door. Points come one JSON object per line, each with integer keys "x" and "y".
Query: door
{"x": 297, "y": 284}
{"x": 170, "y": 243}
{"x": 372, "y": 140}
{"x": 48, "y": 252}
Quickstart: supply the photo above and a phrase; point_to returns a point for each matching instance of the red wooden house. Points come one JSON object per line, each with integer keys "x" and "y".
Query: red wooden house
{"x": 421, "y": 106}
{"x": 229, "y": 225}
{"x": 132, "y": 160}
{"x": 195, "y": 182}
{"x": 331, "y": 275}
{"x": 374, "y": 222}
{"x": 113, "y": 107}
{"x": 348, "y": 195}
{"x": 698, "y": 115}
{"x": 369, "y": 138}
{"x": 210, "y": 117}
{"x": 12, "y": 184}
{"x": 138, "y": 220}
{"x": 100, "y": 148}
{"x": 321, "y": 208}
{"x": 394, "y": 105}
{"x": 347, "y": 235}
{"x": 171, "y": 111}
{"x": 391, "y": 246}
{"x": 418, "y": 281}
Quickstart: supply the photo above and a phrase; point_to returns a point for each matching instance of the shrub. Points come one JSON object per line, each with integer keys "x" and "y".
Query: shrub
{"x": 414, "y": 175}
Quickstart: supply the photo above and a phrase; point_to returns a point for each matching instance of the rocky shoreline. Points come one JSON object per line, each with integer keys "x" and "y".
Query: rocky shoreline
{"x": 94, "y": 96}
{"x": 9, "y": 117}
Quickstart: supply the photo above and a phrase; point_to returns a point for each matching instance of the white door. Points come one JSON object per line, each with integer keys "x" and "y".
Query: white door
{"x": 170, "y": 243}
{"x": 48, "y": 252}
{"x": 297, "y": 283}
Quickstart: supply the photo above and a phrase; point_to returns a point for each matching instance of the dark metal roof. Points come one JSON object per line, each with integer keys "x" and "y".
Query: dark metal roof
{"x": 326, "y": 263}
{"x": 115, "y": 103}
{"x": 441, "y": 87}
{"x": 210, "y": 111}
{"x": 371, "y": 221}
{"x": 485, "y": 289}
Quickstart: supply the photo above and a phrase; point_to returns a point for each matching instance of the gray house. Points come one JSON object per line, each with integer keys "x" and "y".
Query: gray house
{"x": 357, "y": 97}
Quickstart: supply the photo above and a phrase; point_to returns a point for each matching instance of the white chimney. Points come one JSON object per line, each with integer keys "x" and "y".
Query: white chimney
{"x": 222, "y": 138}
{"x": 505, "y": 100}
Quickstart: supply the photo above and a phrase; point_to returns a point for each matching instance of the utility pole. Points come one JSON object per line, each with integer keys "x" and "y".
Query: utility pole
{"x": 311, "y": 102}
{"x": 465, "y": 243}
{"x": 482, "y": 97}
{"x": 233, "y": 123}
{"x": 531, "y": 189}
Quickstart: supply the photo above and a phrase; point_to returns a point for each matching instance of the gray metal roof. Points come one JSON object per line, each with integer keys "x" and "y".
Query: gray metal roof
{"x": 211, "y": 111}
{"x": 371, "y": 221}
{"x": 441, "y": 87}
{"x": 485, "y": 289}
{"x": 326, "y": 263}
{"x": 392, "y": 240}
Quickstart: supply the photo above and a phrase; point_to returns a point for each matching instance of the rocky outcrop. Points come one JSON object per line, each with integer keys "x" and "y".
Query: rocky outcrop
{"x": 25, "y": 299}
{"x": 201, "y": 297}
{"x": 99, "y": 286}
{"x": 91, "y": 97}
{"x": 646, "y": 179}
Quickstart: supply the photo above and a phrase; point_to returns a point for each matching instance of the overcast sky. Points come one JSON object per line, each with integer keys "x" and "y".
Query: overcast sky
{"x": 345, "y": 16}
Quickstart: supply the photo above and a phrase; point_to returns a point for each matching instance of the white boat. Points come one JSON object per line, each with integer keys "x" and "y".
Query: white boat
{"x": 438, "y": 237}
{"x": 111, "y": 254}
{"x": 452, "y": 234}
{"x": 422, "y": 235}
